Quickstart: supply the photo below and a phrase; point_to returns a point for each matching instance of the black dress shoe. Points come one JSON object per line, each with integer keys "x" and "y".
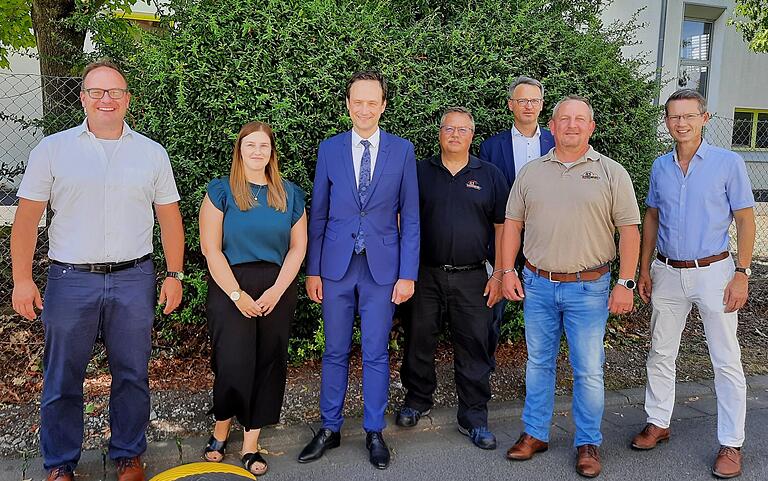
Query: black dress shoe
{"x": 379, "y": 452}
{"x": 324, "y": 439}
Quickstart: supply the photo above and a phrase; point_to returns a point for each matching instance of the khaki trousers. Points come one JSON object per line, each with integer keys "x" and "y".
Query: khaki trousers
{"x": 674, "y": 292}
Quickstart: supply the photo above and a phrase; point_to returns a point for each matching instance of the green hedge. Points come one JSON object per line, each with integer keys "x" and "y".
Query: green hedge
{"x": 221, "y": 64}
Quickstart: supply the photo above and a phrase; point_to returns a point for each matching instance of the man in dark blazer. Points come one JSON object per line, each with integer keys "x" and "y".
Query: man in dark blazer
{"x": 363, "y": 257}
{"x": 510, "y": 150}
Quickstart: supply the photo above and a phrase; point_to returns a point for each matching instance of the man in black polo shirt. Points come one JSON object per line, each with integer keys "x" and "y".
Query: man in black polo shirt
{"x": 460, "y": 198}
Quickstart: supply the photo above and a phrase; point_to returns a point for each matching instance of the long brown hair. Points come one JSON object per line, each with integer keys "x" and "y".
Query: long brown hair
{"x": 241, "y": 189}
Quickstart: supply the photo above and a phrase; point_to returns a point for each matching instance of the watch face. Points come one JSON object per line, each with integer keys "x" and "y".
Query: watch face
{"x": 630, "y": 284}
{"x": 234, "y": 295}
{"x": 180, "y": 276}
{"x": 748, "y": 271}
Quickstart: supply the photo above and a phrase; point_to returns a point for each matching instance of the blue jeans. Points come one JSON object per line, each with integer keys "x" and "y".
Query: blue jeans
{"x": 581, "y": 309}
{"x": 78, "y": 307}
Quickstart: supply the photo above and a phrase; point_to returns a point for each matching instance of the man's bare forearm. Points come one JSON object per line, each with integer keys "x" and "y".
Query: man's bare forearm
{"x": 650, "y": 233}
{"x": 171, "y": 235}
{"x": 745, "y": 236}
{"x": 24, "y": 238}
{"x": 629, "y": 251}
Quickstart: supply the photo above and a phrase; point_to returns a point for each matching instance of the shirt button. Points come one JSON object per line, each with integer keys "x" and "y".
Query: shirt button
{"x": 362, "y": 214}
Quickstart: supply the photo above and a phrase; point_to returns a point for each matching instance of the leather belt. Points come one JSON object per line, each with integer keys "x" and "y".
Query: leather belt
{"x": 464, "y": 268}
{"x": 703, "y": 262}
{"x": 588, "y": 275}
{"x": 105, "y": 268}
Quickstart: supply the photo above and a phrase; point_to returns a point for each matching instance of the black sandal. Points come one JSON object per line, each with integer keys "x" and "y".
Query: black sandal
{"x": 215, "y": 446}
{"x": 249, "y": 458}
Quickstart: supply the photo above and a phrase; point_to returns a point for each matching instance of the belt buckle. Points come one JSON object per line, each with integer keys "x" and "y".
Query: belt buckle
{"x": 550, "y": 278}
{"x": 100, "y": 268}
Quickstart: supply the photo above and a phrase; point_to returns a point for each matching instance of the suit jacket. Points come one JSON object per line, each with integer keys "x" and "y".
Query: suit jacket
{"x": 499, "y": 151}
{"x": 392, "y": 247}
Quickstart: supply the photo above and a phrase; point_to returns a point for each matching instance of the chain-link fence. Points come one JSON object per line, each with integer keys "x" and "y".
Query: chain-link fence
{"x": 747, "y": 134}
{"x": 32, "y": 106}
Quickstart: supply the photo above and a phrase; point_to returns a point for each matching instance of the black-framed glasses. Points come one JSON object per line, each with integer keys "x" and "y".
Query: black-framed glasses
{"x": 462, "y": 131}
{"x": 533, "y": 102}
{"x": 99, "y": 93}
{"x": 686, "y": 117}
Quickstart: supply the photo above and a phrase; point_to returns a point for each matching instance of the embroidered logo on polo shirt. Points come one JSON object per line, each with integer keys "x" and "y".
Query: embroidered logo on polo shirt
{"x": 473, "y": 184}
{"x": 590, "y": 175}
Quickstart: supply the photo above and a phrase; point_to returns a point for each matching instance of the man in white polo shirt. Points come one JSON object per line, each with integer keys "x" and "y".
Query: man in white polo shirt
{"x": 101, "y": 180}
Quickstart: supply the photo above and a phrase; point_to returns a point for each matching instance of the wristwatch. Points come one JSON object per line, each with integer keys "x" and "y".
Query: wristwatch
{"x": 175, "y": 275}
{"x": 235, "y": 295}
{"x": 628, "y": 283}
{"x": 744, "y": 270}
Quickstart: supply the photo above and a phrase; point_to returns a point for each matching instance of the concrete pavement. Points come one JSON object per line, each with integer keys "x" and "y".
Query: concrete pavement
{"x": 436, "y": 450}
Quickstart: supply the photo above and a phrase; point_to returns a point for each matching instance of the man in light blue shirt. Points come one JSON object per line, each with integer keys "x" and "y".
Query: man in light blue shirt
{"x": 696, "y": 191}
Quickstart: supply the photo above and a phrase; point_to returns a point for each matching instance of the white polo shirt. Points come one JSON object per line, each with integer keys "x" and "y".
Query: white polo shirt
{"x": 101, "y": 204}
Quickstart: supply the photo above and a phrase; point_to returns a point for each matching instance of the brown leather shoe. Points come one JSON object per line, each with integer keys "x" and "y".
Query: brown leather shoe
{"x": 650, "y": 436}
{"x": 130, "y": 469}
{"x": 728, "y": 463}
{"x": 61, "y": 473}
{"x": 588, "y": 461}
{"x": 525, "y": 447}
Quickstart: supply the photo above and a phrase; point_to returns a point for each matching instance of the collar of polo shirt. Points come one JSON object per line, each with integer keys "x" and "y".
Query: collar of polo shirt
{"x": 474, "y": 162}
{"x": 591, "y": 154}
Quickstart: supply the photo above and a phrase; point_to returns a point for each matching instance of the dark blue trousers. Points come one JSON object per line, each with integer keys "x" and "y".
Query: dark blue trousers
{"x": 77, "y": 307}
{"x": 356, "y": 292}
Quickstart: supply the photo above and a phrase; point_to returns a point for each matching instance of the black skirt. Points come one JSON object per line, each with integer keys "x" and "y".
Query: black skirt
{"x": 249, "y": 356}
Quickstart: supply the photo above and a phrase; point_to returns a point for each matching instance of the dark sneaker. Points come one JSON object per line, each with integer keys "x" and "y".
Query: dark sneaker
{"x": 480, "y": 436}
{"x": 408, "y": 417}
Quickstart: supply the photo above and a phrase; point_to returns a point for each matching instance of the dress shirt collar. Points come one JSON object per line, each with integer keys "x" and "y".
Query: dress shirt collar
{"x": 517, "y": 134}
{"x": 701, "y": 152}
{"x": 83, "y": 129}
{"x": 373, "y": 139}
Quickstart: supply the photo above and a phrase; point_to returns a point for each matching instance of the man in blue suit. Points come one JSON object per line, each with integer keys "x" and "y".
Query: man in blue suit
{"x": 510, "y": 150}
{"x": 363, "y": 257}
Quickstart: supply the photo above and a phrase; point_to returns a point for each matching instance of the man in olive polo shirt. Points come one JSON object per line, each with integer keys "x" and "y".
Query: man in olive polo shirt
{"x": 571, "y": 202}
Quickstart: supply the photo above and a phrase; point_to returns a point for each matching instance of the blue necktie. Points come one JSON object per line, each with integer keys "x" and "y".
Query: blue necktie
{"x": 362, "y": 190}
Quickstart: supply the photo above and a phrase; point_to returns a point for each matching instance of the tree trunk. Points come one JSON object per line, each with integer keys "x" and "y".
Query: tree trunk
{"x": 60, "y": 47}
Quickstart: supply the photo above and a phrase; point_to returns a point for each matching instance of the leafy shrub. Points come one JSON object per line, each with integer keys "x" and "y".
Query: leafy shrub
{"x": 221, "y": 64}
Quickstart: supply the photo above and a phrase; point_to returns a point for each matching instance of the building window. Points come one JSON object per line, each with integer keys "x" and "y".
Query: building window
{"x": 750, "y": 129}
{"x": 695, "y": 51}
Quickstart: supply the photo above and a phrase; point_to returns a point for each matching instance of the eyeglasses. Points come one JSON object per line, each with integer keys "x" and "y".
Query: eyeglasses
{"x": 523, "y": 102}
{"x": 99, "y": 93}
{"x": 686, "y": 117}
{"x": 462, "y": 131}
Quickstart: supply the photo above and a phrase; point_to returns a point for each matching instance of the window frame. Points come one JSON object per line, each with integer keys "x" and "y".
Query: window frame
{"x": 753, "y": 131}
{"x": 682, "y": 62}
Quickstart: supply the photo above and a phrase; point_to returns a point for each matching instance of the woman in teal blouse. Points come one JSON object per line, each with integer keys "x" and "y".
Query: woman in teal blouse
{"x": 253, "y": 234}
